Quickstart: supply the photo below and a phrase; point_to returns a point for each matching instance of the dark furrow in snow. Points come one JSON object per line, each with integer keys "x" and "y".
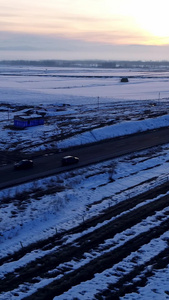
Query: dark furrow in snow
{"x": 88, "y": 243}
{"x": 98, "y": 265}
{"x": 114, "y": 211}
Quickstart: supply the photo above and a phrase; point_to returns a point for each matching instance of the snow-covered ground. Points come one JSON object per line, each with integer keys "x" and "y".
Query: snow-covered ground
{"x": 77, "y": 102}
{"x": 122, "y": 109}
{"x": 80, "y": 86}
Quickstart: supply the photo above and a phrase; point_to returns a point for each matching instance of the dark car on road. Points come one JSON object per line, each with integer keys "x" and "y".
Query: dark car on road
{"x": 23, "y": 164}
{"x": 69, "y": 160}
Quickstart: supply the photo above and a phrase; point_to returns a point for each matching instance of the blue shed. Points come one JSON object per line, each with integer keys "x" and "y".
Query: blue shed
{"x": 28, "y": 121}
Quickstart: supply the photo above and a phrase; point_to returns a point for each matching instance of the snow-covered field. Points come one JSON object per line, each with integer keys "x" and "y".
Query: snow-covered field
{"x": 82, "y": 106}
{"x": 77, "y": 101}
{"x": 80, "y": 86}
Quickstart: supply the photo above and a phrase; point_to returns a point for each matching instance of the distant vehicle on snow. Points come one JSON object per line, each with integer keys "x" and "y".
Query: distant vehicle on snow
{"x": 69, "y": 160}
{"x": 124, "y": 79}
{"x": 23, "y": 164}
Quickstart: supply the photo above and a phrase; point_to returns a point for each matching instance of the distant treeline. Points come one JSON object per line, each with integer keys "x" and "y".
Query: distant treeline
{"x": 87, "y": 63}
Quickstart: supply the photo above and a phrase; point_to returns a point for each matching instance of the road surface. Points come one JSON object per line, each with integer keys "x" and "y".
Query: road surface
{"x": 51, "y": 164}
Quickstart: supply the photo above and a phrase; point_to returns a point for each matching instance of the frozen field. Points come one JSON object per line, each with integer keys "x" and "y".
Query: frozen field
{"x": 80, "y": 86}
{"x": 76, "y": 101}
{"x": 105, "y": 220}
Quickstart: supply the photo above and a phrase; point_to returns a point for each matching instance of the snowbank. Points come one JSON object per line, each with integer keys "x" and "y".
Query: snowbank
{"x": 112, "y": 131}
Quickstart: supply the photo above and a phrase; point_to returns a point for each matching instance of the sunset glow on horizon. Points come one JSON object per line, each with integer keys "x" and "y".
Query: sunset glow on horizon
{"x": 108, "y": 23}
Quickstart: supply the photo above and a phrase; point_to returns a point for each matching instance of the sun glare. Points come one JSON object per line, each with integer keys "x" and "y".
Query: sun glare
{"x": 153, "y": 19}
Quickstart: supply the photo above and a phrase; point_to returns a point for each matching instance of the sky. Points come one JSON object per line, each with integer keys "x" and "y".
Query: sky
{"x": 84, "y": 29}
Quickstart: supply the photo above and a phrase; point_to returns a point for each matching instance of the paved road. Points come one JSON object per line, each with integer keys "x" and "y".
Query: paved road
{"x": 51, "y": 164}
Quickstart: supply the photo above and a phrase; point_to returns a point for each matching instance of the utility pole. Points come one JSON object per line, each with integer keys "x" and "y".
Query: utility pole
{"x": 98, "y": 102}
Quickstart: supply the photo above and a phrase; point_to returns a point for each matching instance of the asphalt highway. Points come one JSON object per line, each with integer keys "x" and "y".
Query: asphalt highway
{"x": 51, "y": 164}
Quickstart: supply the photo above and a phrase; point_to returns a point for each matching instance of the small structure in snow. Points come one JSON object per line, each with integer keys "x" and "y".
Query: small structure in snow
{"x": 23, "y": 121}
{"x": 124, "y": 79}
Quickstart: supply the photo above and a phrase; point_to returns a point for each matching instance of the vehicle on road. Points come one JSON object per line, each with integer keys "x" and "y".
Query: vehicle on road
{"x": 69, "y": 160}
{"x": 23, "y": 164}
